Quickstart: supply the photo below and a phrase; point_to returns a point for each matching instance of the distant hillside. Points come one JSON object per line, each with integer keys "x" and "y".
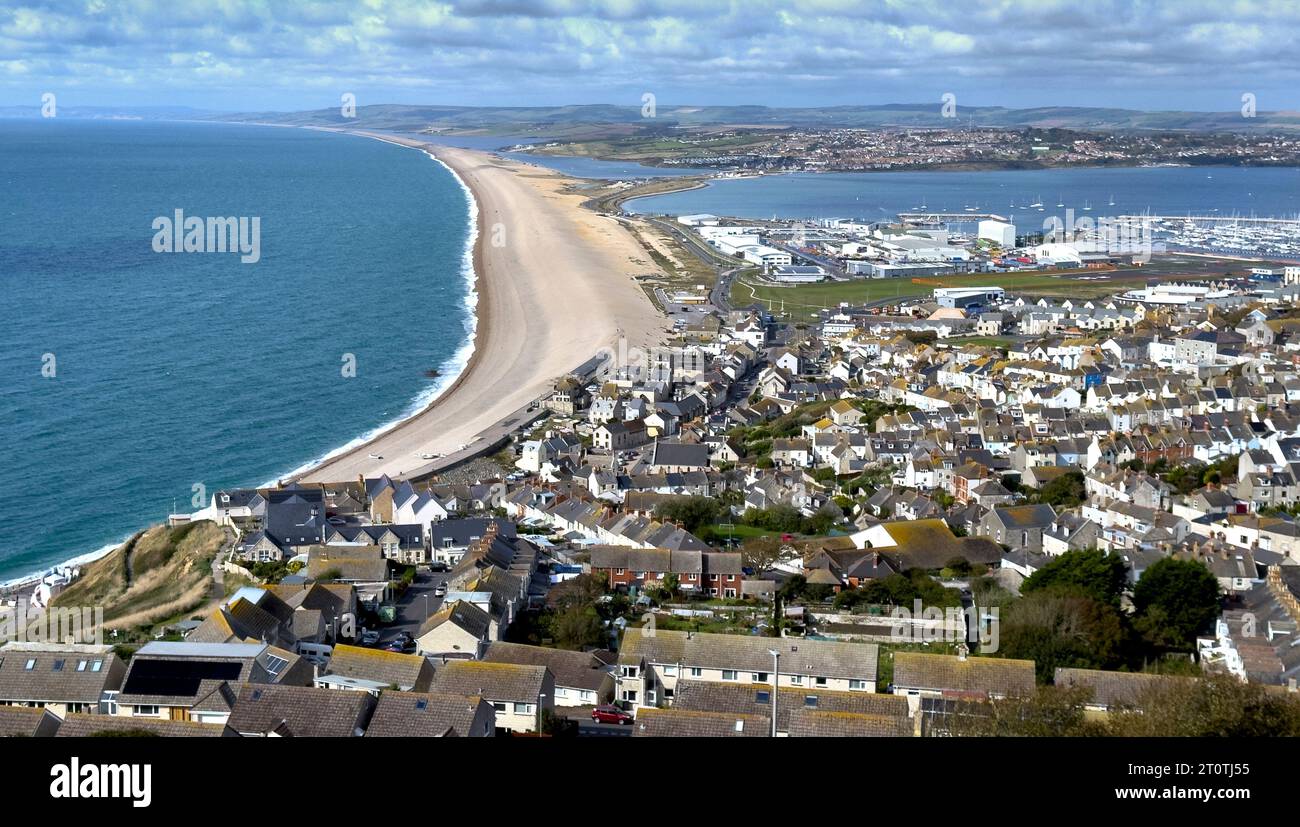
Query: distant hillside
{"x": 155, "y": 575}
{"x": 558, "y": 119}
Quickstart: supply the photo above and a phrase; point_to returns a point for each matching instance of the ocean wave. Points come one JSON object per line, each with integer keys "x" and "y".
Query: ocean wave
{"x": 450, "y": 370}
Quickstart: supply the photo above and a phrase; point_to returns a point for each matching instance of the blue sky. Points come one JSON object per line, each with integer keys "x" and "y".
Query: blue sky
{"x": 230, "y": 55}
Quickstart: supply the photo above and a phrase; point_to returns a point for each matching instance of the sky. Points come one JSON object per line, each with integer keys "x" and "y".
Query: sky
{"x": 228, "y": 55}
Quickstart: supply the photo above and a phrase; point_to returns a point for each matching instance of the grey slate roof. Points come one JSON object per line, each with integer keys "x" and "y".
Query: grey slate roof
{"x": 681, "y": 723}
{"x": 580, "y": 670}
{"x": 406, "y": 672}
{"x": 430, "y": 715}
{"x": 76, "y": 681}
{"x": 817, "y": 658}
{"x": 300, "y": 711}
{"x": 493, "y": 681}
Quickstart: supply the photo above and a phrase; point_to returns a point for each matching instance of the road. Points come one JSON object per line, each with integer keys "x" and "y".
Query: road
{"x": 412, "y": 607}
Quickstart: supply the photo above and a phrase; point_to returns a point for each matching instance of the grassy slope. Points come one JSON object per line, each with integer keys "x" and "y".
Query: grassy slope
{"x": 170, "y": 572}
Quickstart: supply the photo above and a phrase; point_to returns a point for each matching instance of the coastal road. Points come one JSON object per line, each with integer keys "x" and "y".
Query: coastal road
{"x": 555, "y": 285}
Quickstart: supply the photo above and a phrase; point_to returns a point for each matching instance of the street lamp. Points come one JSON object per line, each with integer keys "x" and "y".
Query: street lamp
{"x": 776, "y": 683}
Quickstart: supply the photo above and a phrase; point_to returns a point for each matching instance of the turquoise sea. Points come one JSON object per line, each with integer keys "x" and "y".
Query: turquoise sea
{"x": 128, "y": 377}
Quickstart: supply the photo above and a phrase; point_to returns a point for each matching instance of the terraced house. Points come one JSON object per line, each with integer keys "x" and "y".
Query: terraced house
{"x": 518, "y": 693}
{"x": 715, "y": 573}
{"x": 651, "y": 662}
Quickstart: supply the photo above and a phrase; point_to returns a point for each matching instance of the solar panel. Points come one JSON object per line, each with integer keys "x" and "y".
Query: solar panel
{"x": 177, "y": 677}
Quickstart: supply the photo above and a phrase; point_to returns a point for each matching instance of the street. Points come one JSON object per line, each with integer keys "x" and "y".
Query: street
{"x": 415, "y": 606}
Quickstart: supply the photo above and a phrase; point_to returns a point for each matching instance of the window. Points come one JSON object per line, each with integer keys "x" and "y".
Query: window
{"x": 629, "y": 672}
{"x": 670, "y": 671}
{"x": 695, "y": 671}
{"x": 629, "y": 695}
{"x": 144, "y": 709}
{"x": 31, "y": 664}
{"x": 796, "y": 680}
{"x": 819, "y": 681}
{"x": 81, "y": 666}
{"x": 618, "y": 571}
{"x": 728, "y": 674}
{"x": 274, "y": 665}
{"x": 499, "y": 706}
{"x": 762, "y": 696}
{"x": 810, "y": 701}
{"x": 760, "y": 677}
{"x": 58, "y": 665}
{"x": 523, "y": 709}
{"x": 856, "y": 684}
{"x": 96, "y": 666}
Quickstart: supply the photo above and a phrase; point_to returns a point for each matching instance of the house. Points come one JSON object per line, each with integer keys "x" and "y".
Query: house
{"x": 299, "y": 712}
{"x": 196, "y": 681}
{"x": 449, "y": 540}
{"x": 517, "y": 693}
{"x": 716, "y": 573}
{"x": 374, "y": 670}
{"x": 60, "y": 677}
{"x": 924, "y": 544}
{"x": 358, "y": 565}
{"x": 677, "y": 457}
{"x": 27, "y": 722}
{"x": 620, "y": 436}
{"x": 650, "y": 663}
{"x": 1019, "y": 526}
{"x": 919, "y": 675}
{"x": 80, "y": 725}
{"x": 751, "y": 699}
{"x": 431, "y": 715}
{"x": 652, "y": 722}
{"x": 460, "y": 629}
{"x": 581, "y": 678}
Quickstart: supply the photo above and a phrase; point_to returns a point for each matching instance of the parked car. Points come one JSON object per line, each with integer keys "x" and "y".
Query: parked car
{"x": 438, "y": 565}
{"x": 369, "y": 638}
{"x": 607, "y": 714}
{"x": 440, "y": 590}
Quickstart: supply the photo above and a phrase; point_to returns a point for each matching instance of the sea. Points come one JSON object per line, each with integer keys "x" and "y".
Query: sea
{"x": 1270, "y": 192}
{"x": 135, "y": 383}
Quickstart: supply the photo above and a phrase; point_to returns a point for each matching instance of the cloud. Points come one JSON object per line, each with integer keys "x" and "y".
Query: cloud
{"x": 291, "y": 55}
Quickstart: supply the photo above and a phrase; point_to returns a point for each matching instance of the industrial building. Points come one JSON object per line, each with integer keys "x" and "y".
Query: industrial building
{"x": 964, "y": 297}
{"x": 999, "y": 232}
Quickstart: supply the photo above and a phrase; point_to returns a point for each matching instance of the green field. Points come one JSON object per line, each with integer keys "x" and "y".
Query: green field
{"x": 802, "y": 301}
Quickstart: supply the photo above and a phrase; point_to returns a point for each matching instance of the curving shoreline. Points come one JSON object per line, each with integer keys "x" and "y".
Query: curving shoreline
{"x": 554, "y": 285}
{"x": 558, "y": 259}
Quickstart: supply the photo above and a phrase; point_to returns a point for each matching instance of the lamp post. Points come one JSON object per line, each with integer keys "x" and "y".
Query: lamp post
{"x": 776, "y": 683}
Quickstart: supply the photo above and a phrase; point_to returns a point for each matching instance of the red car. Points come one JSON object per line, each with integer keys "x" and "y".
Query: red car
{"x": 610, "y": 715}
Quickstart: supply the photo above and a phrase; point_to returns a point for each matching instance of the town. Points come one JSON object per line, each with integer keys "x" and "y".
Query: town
{"x": 899, "y": 147}
{"x": 945, "y": 510}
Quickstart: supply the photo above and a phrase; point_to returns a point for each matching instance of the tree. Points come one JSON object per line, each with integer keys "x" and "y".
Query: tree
{"x": 1088, "y": 572}
{"x": 1050, "y": 712}
{"x": 1066, "y": 491}
{"x": 1174, "y": 601}
{"x": 1055, "y": 628}
{"x": 691, "y": 512}
{"x": 1215, "y": 706}
{"x": 577, "y": 627}
{"x": 760, "y": 553}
